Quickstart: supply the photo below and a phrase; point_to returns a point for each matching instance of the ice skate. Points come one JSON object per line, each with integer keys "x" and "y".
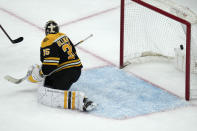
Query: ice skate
{"x": 88, "y": 105}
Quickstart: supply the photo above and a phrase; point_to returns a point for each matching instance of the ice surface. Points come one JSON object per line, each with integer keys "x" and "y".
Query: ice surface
{"x": 19, "y": 109}
{"x": 121, "y": 95}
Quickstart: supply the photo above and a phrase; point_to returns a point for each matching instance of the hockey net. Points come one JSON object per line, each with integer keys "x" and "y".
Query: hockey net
{"x": 156, "y": 30}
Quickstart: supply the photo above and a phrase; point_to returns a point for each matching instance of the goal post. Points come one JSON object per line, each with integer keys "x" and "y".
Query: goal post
{"x": 164, "y": 8}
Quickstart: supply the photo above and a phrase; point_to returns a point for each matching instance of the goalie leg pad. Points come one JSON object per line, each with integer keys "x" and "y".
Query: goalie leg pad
{"x": 61, "y": 99}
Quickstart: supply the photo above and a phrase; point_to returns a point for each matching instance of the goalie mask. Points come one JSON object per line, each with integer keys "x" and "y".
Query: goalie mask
{"x": 51, "y": 27}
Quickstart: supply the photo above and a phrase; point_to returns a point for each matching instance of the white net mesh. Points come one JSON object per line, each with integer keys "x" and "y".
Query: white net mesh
{"x": 150, "y": 37}
{"x": 149, "y": 34}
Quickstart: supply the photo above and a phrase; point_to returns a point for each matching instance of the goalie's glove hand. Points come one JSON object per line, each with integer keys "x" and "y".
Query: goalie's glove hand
{"x": 35, "y": 74}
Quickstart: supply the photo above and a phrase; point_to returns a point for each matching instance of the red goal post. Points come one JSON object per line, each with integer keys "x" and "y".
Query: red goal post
{"x": 180, "y": 14}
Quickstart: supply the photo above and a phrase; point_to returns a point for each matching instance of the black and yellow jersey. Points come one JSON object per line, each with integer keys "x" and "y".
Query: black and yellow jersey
{"x": 58, "y": 53}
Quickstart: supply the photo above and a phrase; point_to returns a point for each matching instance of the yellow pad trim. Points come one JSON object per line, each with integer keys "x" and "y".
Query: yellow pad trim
{"x": 65, "y": 99}
{"x": 73, "y": 99}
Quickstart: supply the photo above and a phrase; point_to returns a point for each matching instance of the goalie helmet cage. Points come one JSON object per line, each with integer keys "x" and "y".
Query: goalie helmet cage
{"x": 154, "y": 8}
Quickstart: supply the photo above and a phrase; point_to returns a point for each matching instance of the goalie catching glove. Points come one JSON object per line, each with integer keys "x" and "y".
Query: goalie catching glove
{"x": 35, "y": 74}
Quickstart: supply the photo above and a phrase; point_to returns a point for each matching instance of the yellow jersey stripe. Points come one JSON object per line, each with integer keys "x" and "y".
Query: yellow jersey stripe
{"x": 52, "y": 58}
{"x": 69, "y": 67}
{"x": 50, "y": 63}
{"x": 72, "y": 61}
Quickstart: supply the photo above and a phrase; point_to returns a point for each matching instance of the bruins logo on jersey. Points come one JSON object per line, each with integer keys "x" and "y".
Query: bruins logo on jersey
{"x": 45, "y": 40}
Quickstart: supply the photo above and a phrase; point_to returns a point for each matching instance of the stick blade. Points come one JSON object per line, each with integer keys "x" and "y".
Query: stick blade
{"x": 17, "y": 40}
{"x": 12, "y": 79}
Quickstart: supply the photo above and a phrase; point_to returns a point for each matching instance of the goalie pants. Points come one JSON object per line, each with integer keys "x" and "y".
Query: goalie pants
{"x": 63, "y": 80}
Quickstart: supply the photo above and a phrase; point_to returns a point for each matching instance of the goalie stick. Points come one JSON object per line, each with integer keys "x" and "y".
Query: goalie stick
{"x": 13, "y": 41}
{"x": 18, "y": 81}
{"x": 84, "y": 40}
{"x": 15, "y": 80}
